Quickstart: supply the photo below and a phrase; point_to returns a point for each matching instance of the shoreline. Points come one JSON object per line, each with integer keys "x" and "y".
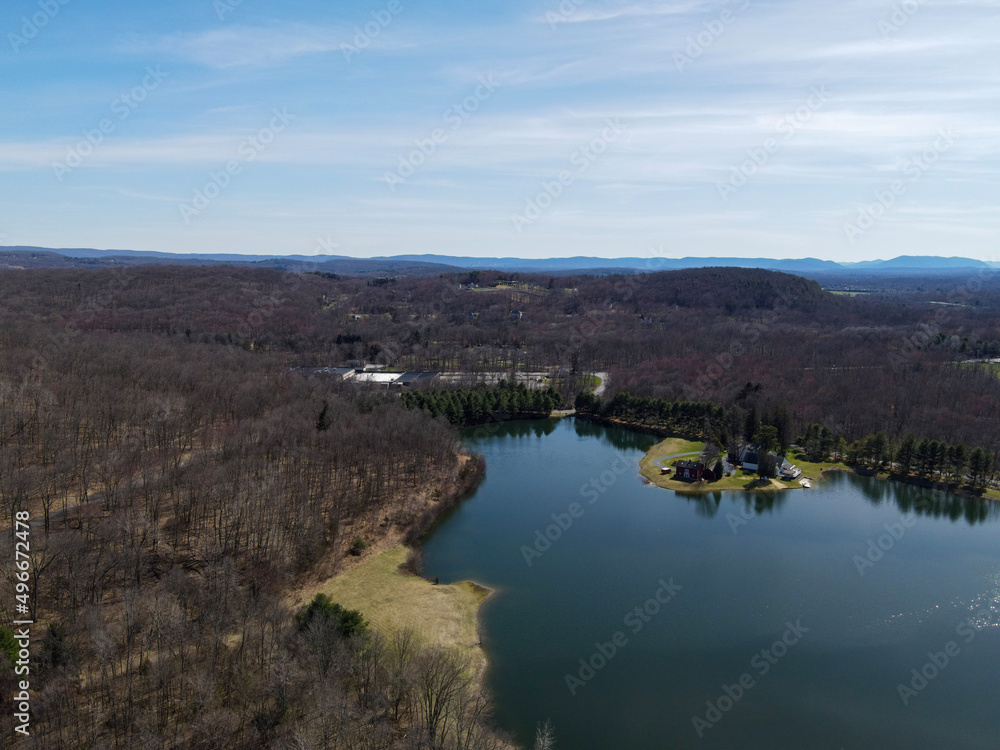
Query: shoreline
{"x": 624, "y": 424}
{"x": 672, "y": 447}
{"x": 992, "y": 495}
{"x": 392, "y": 598}
{"x": 986, "y": 495}
{"x": 460, "y": 604}
{"x": 480, "y": 676}
{"x": 650, "y": 474}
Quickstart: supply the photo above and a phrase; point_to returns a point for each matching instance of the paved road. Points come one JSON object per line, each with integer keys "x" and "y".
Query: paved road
{"x": 599, "y": 390}
{"x": 660, "y": 461}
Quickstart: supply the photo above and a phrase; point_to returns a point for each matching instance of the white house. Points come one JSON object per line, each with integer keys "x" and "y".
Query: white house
{"x": 748, "y": 457}
{"x": 788, "y": 470}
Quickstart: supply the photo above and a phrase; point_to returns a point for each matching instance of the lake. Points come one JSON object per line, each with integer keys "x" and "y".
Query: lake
{"x": 858, "y": 614}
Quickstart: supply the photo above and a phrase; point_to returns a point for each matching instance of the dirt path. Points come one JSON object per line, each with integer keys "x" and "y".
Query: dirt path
{"x": 605, "y": 377}
{"x": 660, "y": 461}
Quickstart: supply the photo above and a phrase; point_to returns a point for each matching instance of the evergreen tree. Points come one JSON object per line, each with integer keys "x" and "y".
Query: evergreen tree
{"x": 751, "y": 424}
{"x": 767, "y": 438}
{"x": 323, "y": 420}
{"x": 782, "y": 421}
{"x": 905, "y": 455}
{"x": 767, "y": 466}
{"x": 923, "y": 457}
{"x": 980, "y": 466}
{"x": 879, "y": 450}
{"x": 958, "y": 456}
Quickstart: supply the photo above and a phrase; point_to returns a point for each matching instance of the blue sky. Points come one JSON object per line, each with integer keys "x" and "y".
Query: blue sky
{"x": 848, "y": 130}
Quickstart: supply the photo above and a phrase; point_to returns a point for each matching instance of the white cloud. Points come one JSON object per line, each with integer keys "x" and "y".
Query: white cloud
{"x": 242, "y": 46}
{"x": 577, "y": 11}
{"x": 687, "y": 128}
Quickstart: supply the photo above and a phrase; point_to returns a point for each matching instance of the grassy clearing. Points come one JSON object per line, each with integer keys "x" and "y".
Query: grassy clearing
{"x": 390, "y": 600}
{"x": 811, "y": 469}
{"x": 741, "y": 480}
{"x": 668, "y": 447}
{"x": 991, "y": 367}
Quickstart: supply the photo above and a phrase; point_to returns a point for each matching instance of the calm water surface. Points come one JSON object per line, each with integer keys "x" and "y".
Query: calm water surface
{"x": 744, "y": 572}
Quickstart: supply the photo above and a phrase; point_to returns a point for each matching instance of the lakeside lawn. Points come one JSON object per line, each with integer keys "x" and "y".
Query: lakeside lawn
{"x": 811, "y": 469}
{"x": 741, "y": 480}
{"x": 441, "y": 615}
{"x": 670, "y": 447}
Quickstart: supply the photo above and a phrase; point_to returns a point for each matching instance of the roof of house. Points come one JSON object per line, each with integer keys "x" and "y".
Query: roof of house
{"x": 690, "y": 465}
{"x": 414, "y": 377}
{"x": 377, "y": 377}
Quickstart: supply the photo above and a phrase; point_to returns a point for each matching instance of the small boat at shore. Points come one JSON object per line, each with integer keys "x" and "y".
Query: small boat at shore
{"x": 805, "y": 483}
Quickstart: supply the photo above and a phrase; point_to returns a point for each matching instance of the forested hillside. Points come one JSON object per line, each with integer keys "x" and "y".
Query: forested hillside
{"x": 884, "y": 361}
{"x": 178, "y": 491}
{"x": 182, "y": 476}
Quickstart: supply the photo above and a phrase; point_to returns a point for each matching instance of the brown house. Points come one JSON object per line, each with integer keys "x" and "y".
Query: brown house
{"x": 695, "y": 471}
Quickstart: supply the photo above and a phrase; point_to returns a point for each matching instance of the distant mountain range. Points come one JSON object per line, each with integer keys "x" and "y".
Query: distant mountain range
{"x": 40, "y": 257}
{"x": 910, "y": 263}
{"x": 905, "y": 265}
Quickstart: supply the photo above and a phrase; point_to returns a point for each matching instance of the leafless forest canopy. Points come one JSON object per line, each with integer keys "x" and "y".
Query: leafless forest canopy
{"x": 182, "y": 476}
{"x": 858, "y": 364}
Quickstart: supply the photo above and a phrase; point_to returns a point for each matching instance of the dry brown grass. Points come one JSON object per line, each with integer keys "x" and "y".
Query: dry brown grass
{"x": 441, "y": 615}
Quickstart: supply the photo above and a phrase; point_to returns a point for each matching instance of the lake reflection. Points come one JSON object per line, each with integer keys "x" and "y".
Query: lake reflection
{"x": 855, "y": 582}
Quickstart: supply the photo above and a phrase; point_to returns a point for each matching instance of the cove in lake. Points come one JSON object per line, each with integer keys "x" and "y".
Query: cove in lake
{"x": 859, "y": 614}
